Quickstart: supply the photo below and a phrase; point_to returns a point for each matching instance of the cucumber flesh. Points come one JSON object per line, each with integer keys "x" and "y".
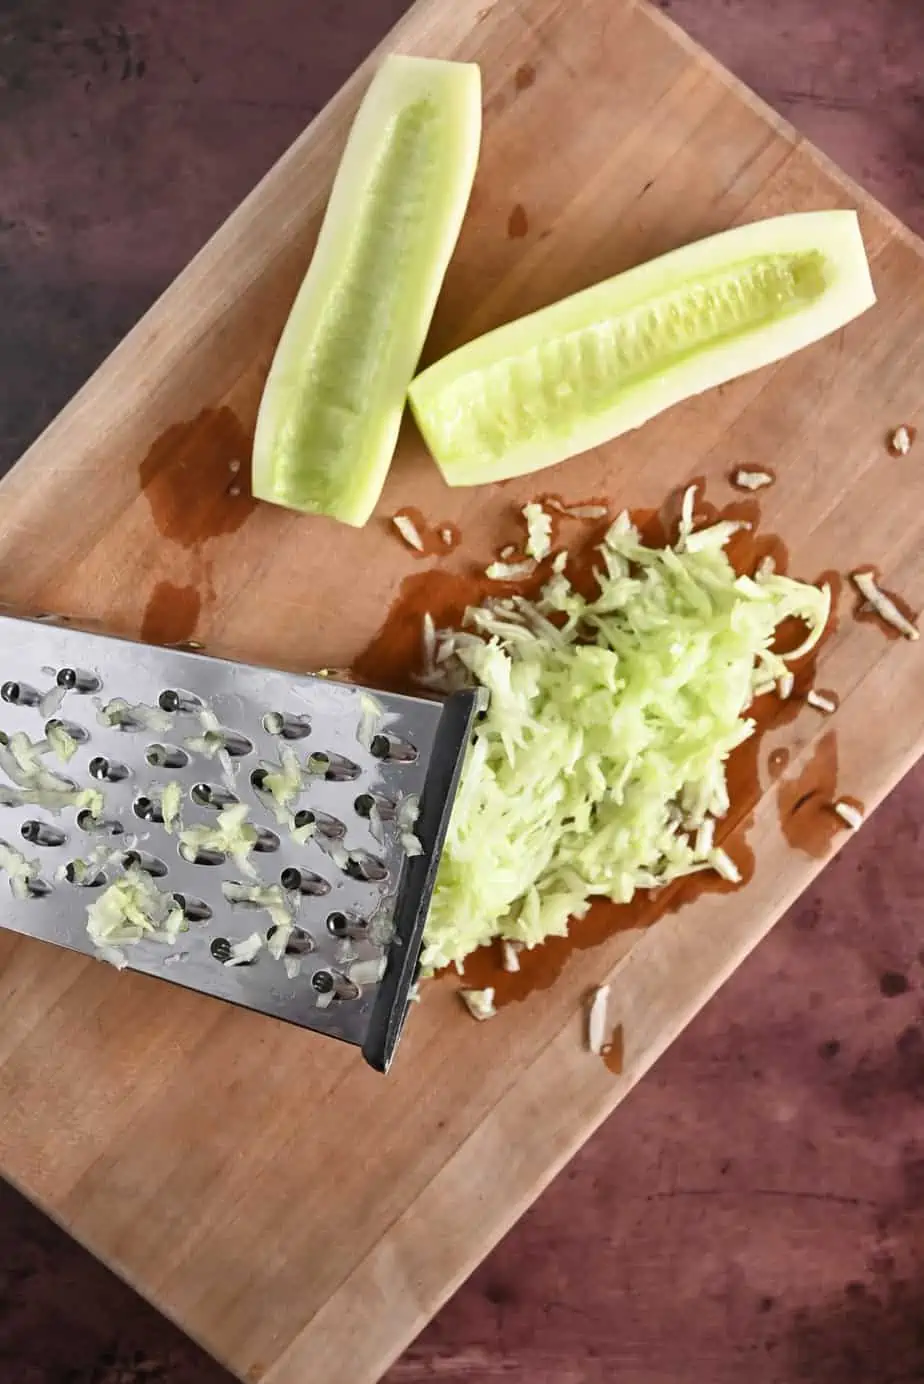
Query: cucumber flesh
{"x": 604, "y": 361}
{"x": 332, "y": 405}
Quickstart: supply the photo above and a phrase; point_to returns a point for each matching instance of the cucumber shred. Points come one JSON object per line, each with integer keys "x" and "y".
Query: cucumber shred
{"x": 575, "y": 375}
{"x": 330, "y": 413}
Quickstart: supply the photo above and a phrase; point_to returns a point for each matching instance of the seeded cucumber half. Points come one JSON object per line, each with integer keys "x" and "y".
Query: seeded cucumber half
{"x": 595, "y": 365}
{"x": 332, "y": 405}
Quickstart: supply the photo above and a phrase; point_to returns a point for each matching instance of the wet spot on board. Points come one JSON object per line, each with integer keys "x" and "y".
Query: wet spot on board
{"x": 517, "y": 223}
{"x": 807, "y": 818}
{"x": 614, "y": 1052}
{"x": 525, "y": 77}
{"x": 777, "y": 761}
{"x": 892, "y": 984}
{"x": 191, "y": 479}
{"x": 171, "y": 614}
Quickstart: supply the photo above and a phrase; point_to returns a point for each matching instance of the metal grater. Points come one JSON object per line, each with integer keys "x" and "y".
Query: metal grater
{"x": 355, "y": 892}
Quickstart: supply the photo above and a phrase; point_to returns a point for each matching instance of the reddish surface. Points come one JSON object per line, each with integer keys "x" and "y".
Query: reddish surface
{"x": 756, "y": 1208}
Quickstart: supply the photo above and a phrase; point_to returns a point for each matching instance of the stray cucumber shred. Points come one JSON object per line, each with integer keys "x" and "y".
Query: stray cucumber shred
{"x": 132, "y": 910}
{"x": 538, "y": 531}
{"x": 232, "y": 835}
{"x": 408, "y": 531}
{"x": 60, "y": 741}
{"x": 883, "y": 605}
{"x": 511, "y": 571}
{"x": 21, "y": 872}
{"x": 596, "y": 1019}
{"x": 479, "y": 1003}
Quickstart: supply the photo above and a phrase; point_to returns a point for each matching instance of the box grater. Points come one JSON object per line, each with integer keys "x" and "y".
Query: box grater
{"x": 120, "y": 761}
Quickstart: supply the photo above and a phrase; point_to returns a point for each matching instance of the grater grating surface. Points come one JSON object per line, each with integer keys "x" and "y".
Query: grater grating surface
{"x": 357, "y": 899}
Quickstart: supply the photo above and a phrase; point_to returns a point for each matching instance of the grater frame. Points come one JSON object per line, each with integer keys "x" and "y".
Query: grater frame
{"x": 240, "y": 695}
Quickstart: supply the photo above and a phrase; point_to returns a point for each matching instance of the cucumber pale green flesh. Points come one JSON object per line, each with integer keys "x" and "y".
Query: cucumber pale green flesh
{"x": 333, "y": 401}
{"x": 595, "y": 365}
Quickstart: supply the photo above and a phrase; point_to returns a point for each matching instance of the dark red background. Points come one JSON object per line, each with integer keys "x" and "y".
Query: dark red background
{"x": 756, "y": 1209}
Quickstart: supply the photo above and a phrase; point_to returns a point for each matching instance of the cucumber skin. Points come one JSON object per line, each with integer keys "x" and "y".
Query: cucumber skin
{"x": 297, "y": 431}
{"x": 833, "y": 237}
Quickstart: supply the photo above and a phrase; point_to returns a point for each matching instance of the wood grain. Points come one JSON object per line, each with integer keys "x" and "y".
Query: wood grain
{"x": 297, "y": 1214}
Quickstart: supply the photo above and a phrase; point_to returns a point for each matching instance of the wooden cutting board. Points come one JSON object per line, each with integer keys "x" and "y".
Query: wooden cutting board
{"x": 299, "y": 1215}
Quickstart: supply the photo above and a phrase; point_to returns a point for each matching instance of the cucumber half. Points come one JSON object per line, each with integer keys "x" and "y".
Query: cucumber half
{"x": 332, "y": 405}
{"x": 595, "y": 365}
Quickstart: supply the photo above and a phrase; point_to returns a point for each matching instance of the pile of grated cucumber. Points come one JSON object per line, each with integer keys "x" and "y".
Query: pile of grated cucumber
{"x": 600, "y": 766}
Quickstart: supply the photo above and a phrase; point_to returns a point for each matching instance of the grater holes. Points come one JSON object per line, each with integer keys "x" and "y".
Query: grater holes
{"x": 194, "y": 910}
{"x": 298, "y": 943}
{"x": 285, "y": 726}
{"x": 364, "y": 804}
{"x": 38, "y": 889}
{"x": 235, "y": 743}
{"x": 393, "y": 749}
{"x": 201, "y": 855}
{"x": 221, "y": 949}
{"x": 347, "y": 926}
{"x": 43, "y": 834}
{"x": 141, "y": 860}
{"x": 147, "y": 809}
{"x": 297, "y": 881}
{"x": 333, "y": 985}
{"x": 166, "y": 756}
{"x": 213, "y": 795}
{"x": 174, "y": 699}
{"x": 363, "y": 865}
{"x": 330, "y": 827}
{"x": 267, "y": 841}
{"x": 79, "y": 734}
{"x": 78, "y": 680}
{"x": 19, "y": 694}
{"x": 98, "y": 826}
{"x": 335, "y": 768}
{"x": 77, "y": 873}
{"x": 108, "y": 770}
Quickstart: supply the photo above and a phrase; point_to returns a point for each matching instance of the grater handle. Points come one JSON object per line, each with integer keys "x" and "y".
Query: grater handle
{"x": 460, "y": 712}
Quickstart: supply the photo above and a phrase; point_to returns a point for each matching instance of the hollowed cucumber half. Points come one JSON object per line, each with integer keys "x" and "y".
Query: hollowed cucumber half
{"x": 332, "y": 405}
{"x": 597, "y": 364}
